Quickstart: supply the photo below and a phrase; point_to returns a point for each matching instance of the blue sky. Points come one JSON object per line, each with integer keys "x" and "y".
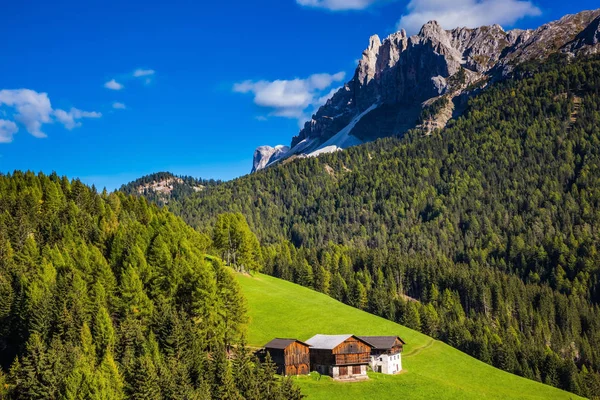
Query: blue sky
{"x": 108, "y": 91}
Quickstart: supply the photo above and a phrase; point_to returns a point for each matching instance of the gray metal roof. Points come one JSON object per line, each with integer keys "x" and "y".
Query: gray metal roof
{"x": 279, "y": 343}
{"x": 329, "y": 342}
{"x": 381, "y": 342}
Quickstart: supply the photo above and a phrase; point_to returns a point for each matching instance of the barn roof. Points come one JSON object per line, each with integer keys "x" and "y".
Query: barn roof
{"x": 279, "y": 343}
{"x": 381, "y": 342}
{"x": 329, "y": 342}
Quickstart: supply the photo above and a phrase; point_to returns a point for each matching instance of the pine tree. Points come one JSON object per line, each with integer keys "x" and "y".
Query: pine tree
{"x": 430, "y": 320}
{"x": 304, "y": 273}
{"x": 358, "y": 295}
{"x": 36, "y": 377}
{"x": 236, "y": 242}
{"x": 112, "y": 378}
{"x": 224, "y": 383}
{"x": 412, "y": 317}
{"x": 267, "y": 381}
{"x": 289, "y": 391}
{"x": 144, "y": 382}
{"x": 339, "y": 289}
{"x": 134, "y": 300}
{"x": 244, "y": 373}
{"x": 322, "y": 279}
{"x": 104, "y": 333}
{"x": 233, "y": 303}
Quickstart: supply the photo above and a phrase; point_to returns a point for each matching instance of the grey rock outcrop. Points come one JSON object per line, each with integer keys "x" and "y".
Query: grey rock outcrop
{"x": 264, "y": 155}
{"x": 588, "y": 40}
{"x": 402, "y": 74}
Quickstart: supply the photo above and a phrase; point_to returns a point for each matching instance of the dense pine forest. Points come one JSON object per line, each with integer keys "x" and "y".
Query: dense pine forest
{"x": 104, "y": 296}
{"x": 484, "y": 234}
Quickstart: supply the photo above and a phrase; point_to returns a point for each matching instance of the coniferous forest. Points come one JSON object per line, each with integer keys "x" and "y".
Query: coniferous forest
{"x": 106, "y": 296}
{"x": 484, "y": 234}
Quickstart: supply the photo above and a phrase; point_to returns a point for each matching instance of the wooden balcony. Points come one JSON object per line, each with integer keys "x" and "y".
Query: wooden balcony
{"x": 349, "y": 359}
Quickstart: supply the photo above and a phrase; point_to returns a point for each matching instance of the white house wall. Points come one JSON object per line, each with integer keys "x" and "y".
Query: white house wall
{"x": 390, "y": 364}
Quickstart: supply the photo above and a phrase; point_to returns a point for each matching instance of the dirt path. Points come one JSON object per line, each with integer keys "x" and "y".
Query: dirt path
{"x": 416, "y": 351}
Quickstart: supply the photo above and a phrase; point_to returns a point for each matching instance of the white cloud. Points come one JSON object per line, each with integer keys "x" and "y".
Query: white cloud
{"x": 143, "y": 72}
{"x": 290, "y": 98}
{"x": 7, "y": 130}
{"x": 119, "y": 106}
{"x": 32, "y": 110}
{"x": 70, "y": 119}
{"x": 469, "y": 13}
{"x": 138, "y": 73}
{"x": 113, "y": 85}
{"x": 339, "y": 5}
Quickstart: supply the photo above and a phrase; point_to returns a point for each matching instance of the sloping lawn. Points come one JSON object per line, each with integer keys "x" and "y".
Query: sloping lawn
{"x": 432, "y": 369}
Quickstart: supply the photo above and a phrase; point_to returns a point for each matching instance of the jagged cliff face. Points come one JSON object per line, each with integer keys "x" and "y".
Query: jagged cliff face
{"x": 263, "y": 155}
{"x": 396, "y": 77}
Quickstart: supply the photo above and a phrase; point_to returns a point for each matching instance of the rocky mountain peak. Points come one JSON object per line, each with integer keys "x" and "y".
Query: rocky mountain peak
{"x": 374, "y": 43}
{"x": 367, "y": 66}
{"x": 398, "y": 76}
{"x": 432, "y": 29}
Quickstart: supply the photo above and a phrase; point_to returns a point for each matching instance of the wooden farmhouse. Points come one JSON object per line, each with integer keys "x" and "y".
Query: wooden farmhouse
{"x": 386, "y": 354}
{"x": 340, "y": 356}
{"x": 291, "y": 356}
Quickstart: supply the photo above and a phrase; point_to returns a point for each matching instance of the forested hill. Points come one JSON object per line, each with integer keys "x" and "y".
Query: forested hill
{"x": 103, "y": 296}
{"x": 161, "y": 187}
{"x": 491, "y": 225}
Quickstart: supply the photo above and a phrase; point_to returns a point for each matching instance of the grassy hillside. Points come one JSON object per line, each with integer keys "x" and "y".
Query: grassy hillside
{"x": 433, "y": 370}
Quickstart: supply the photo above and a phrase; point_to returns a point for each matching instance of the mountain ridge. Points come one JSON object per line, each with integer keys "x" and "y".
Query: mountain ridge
{"x": 400, "y": 76}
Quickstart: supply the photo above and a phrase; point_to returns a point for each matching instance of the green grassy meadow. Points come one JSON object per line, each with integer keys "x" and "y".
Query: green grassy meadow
{"x": 432, "y": 369}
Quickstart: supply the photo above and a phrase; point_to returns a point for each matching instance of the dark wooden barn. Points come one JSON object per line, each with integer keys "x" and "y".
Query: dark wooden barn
{"x": 340, "y": 356}
{"x": 291, "y": 356}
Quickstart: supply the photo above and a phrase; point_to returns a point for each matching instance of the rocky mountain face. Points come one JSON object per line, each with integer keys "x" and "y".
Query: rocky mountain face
{"x": 400, "y": 77}
{"x": 266, "y": 154}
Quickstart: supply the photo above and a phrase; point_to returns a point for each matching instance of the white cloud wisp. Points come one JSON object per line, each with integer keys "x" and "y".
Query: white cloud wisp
{"x": 113, "y": 85}
{"x": 7, "y": 130}
{"x": 70, "y": 119}
{"x": 339, "y": 5}
{"x": 146, "y": 74}
{"x": 32, "y": 110}
{"x": 291, "y": 98}
{"x": 143, "y": 72}
{"x": 467, "y": 13}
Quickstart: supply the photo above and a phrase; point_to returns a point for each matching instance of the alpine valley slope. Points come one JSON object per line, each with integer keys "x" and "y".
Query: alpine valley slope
{"x": 432, "y": 369}
{"x": 399, "y": 77}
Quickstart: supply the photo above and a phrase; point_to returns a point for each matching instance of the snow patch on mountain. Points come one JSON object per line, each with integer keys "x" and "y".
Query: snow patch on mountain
{"x": 343, "y": 139}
